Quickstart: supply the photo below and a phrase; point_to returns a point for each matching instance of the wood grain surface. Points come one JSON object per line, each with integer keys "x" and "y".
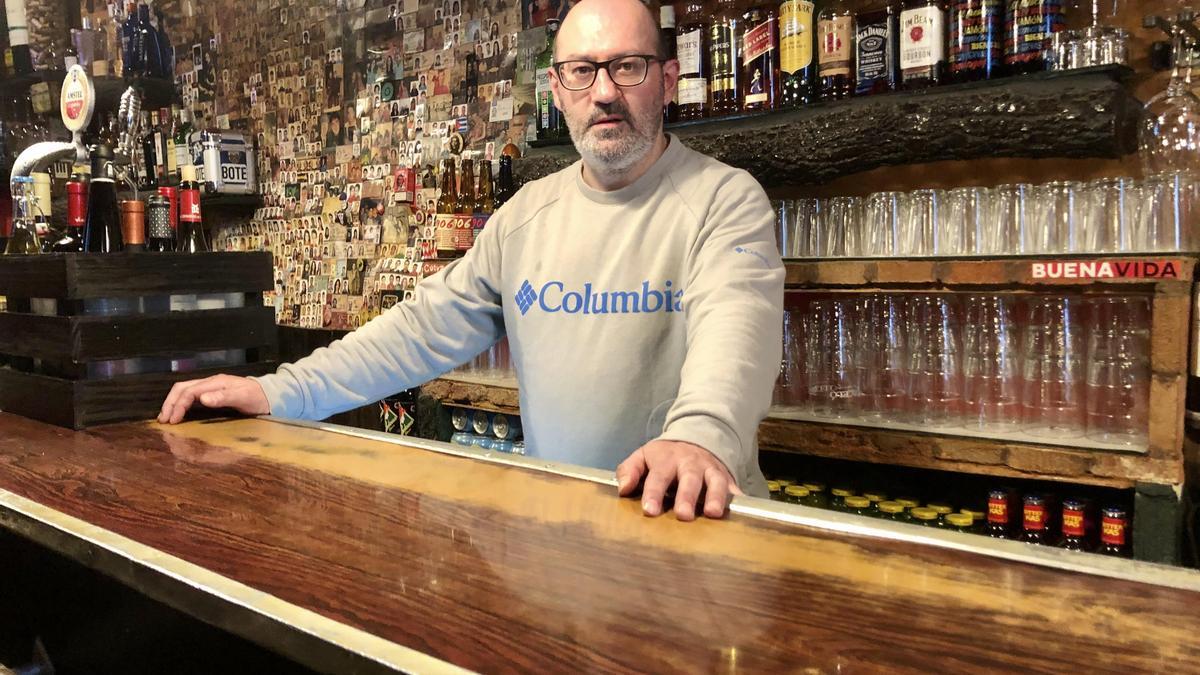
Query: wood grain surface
{"x": 501, "y": 569}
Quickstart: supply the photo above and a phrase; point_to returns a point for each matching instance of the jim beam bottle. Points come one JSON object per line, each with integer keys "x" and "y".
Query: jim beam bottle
{"x": 760, "y": 57}
{"x": 835, "y": 50}
{"x": 447, "y": 207}
{"x": 692, "y": 52}
{"x": 976, "y": 39}
{"x": 796, "y": 59}
{"x": 724, "y": 52}
{"x": 922, "y": 44}
{"x": 877, "y": 47}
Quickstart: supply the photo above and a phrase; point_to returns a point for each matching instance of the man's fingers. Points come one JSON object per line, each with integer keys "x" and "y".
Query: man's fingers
{"x": 716, "y": 490}
{"x": 630, "y": 472}
{"x": 657, "y": 482}
{"x": 186, "y": 396}
{"x": 687, "y": 491}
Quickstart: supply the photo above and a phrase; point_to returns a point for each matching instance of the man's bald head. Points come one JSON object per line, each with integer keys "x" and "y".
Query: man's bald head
{"x": 590, "y": 20}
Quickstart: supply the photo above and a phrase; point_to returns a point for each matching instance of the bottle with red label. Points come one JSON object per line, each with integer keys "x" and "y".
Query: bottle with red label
{"x": 77, "y": 201}
{"x": 191, "y": 237}
{"x": 1114, "y": 532}
{"x": 922, "y": 43}
{"x": 1074, "y": 533}
{"x": 760, "y": 57}
{"x": 997, "y": 515}
{"x": 1034, "y": 520}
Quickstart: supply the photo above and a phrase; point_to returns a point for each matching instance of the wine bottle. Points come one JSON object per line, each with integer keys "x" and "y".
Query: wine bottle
{"x": 191, "y": 226}
{"x": 102, "y": 230}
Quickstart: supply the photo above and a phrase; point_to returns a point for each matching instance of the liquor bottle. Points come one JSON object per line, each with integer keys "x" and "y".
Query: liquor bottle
{"x": 550, "y": 123}
{"x": 1072, "y": 526}
{"x": 666, "y": 23}
{"x": 760, "y": 57}
{"x": 465, "y": 200}
{"x": 835, "y": 50}
{"x": 151, "y": 51}
{"x": 1114, "y": 528}
{"x": 692, "y": 53}
{"x": 77, "y": 201}
{"x": 166, "y": 51}
{"x": 132, "y": 48}
{"x": 191, "y": 223}
{"x": 23, "y": 239}
{"x": 997, "y": 515}
{"x": 922, "y": 44}
{"x": 976, "y": 39}
{"x": 102, "y": 229}
{"x": 724, "y": 53}
{"x": 1034, "y": 520}
{"x": 160, "y": 234}
{"x": 1027, "y": 26}
{"x": 877, "y": 40}
{"x": 447, "y": 206}
{"x": 485, "y": 200}
{"x": 505, "y": 186}
{"x": 183, "y": 138}
{"x": 166, "y": 145}
{"x": 40, "y": 209}
{"x": 151, "y": 150}
{"x": 18, "y": 37}
{"x": 797, "y": 65}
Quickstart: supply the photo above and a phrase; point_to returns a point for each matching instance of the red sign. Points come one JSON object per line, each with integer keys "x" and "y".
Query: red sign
{"x": 1106, "y": 269}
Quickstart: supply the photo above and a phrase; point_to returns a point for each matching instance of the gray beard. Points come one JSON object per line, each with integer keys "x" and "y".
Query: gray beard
{"x": 632, "y": 147}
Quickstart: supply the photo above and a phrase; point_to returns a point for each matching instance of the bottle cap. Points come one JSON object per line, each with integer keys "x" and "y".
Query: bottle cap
{"x": 891, "y": 507}
{"x": 133, "y": 221}
{"x": 815, "y": 487}
{"x": 772, "y": 486}
{"x": 941, "y": 509}
{"x": 924, "y": 514}
{"x": 908, "y": 503}
{"x": 841, "y": 492}
{"x": 858, "y": 502}
{"x": 875, "y": 496}
{"x": 960, "y": 520}
{"x": 187, "y": 173}
{"x": 796, "y": 491}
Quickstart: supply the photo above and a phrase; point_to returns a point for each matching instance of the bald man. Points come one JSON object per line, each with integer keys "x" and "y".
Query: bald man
{"x": 640, "y": 289}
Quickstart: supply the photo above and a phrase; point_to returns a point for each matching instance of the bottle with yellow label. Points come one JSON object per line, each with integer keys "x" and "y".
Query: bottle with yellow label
{"x": 796, "y": 63}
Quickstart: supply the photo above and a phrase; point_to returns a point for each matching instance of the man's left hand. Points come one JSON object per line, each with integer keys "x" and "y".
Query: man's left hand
{"x": 690, "y": 467}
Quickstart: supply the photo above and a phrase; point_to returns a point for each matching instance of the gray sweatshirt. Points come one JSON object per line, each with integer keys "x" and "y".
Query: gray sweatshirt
{"x": 653, "y": 311}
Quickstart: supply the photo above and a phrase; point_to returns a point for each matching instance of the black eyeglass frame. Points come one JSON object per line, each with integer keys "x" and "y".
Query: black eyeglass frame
{"x": 649, "y": 58}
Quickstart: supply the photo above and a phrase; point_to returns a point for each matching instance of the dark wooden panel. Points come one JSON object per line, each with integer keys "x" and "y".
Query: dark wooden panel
{"x": 94, "y": 338}
{"x": 126, "y": 274}
{"x": 83, "y": 403}
{"x": 505, "y": 570}
{"x": 34, "y": 335}
{"x": 33, "y": 276}
{"x": 1082, "y": 113}
{"x": 174, "y": 333}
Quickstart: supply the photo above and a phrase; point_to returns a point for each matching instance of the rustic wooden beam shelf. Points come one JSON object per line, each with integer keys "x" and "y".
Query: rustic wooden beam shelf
{"x": 1085, "y": 113}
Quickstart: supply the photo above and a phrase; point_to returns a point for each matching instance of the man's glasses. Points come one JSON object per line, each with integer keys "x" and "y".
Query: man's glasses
{"x": 625, "y": 71}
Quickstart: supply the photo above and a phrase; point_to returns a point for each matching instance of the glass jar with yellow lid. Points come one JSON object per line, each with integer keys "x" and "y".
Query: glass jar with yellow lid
{"x": 893, "y": 511}
{"x": 942, "y": 510}
{"x": 818, "y": 497}
{"x": 979, "y": 518}
{"x": 775, "y": 490}
{"x": 859, "y": 506}
{"x": 924, "y": 516}
{"x": 908, "y": 503}
{"x": 959, "y": 522}
{"x": 837, "y": 498}
{"x": 875, "y": 498}
{"x": 796, "y": 494}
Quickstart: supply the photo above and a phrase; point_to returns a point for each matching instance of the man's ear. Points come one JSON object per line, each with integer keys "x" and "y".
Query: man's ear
{"x": 556, "y": 89}
{"x": 670, "y": 80}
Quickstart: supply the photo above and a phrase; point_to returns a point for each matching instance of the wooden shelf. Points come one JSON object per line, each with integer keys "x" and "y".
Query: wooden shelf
{"x": 1072, "y": 114}
{"x": 1011, "y": 272}
{"x": 981, "y": 456}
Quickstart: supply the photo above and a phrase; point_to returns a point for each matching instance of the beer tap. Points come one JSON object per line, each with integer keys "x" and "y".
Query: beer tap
{"x": 128, "y": 114}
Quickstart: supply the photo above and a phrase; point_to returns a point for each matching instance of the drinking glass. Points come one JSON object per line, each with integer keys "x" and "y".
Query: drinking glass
{"x": 784, "y": 226}
{"x": 919, "y": 223}
{"x": 1051, "y": 225}
{"x": 965, "y": 221}
{"x": 807, "y": 212}
{"x": 1053, "y": 367}
{"x": 881, "y": 224}
{"x": 832, "y": 384}
{"x": 1118, "y": 371}
{"x": 881, "y": 365}
{"x": 791, "y": 389}
{"x": 1102, "y": 216}
{"x": 842, "y": 219}
{"x": 934, "y": 360}
{"x": 1009, "y": 214}
{"x": 991, "y": 375}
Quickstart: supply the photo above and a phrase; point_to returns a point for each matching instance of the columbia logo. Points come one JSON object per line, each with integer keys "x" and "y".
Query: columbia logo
{"x": 526, "y": 297}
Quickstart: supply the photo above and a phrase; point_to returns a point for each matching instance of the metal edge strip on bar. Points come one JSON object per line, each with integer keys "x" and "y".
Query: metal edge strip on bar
{"x": 355, "y": 641}
{"x": 840, "y": 523}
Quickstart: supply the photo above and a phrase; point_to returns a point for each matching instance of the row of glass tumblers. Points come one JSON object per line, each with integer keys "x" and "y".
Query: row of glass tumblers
{"x": 1114, "y": 215}
{"x": 1051, "y": 366}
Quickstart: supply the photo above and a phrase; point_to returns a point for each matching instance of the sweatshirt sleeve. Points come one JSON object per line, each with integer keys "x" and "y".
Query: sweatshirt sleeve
{"x": 733, "y": 307}
{"x": 454, "y": 315}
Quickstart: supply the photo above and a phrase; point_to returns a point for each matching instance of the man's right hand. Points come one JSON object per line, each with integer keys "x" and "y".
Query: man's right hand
{"x": 219, "y": 391}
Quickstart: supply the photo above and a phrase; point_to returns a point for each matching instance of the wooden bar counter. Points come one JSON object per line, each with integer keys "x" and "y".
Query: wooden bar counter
{"x": 347, "y": 552}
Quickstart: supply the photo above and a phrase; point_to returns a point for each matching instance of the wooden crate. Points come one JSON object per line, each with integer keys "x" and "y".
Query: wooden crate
{"x": 48, "y": 375}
